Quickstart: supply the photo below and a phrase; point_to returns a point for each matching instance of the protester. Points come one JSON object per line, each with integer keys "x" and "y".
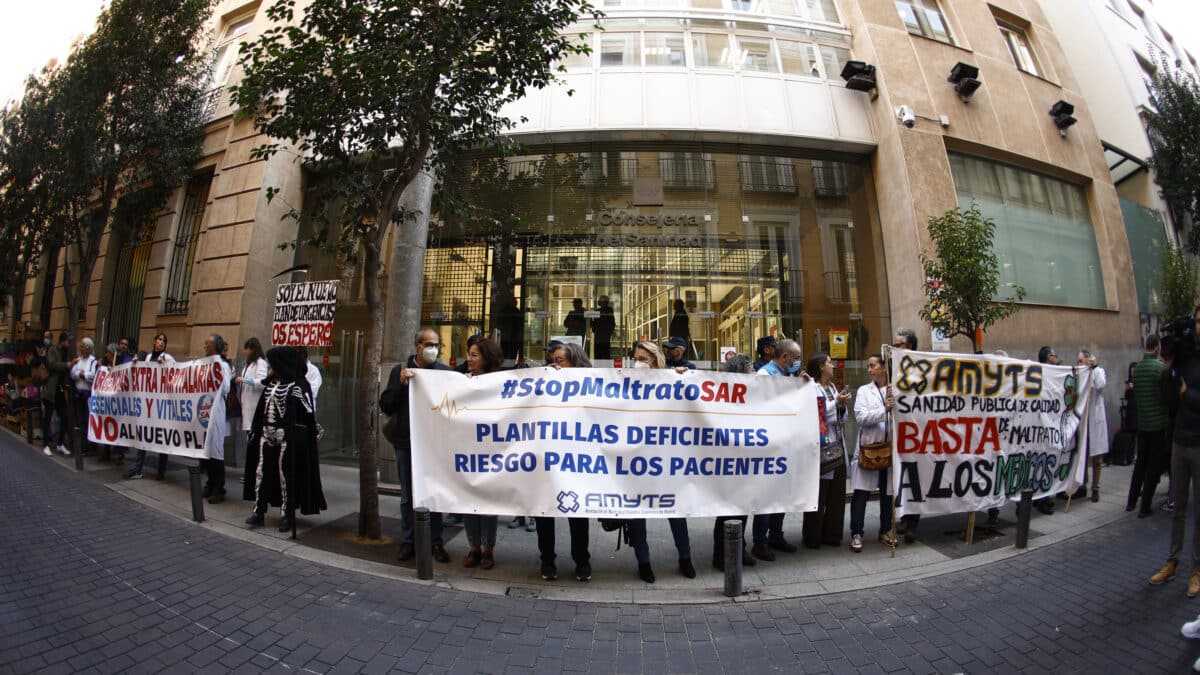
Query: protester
{"x": 766, "y": 351}
{"x": 394, "y": 403}
{"x": 483, "y": 357}
{"x": 824, "y": 526}
{"x": 158, "y": 355}
{"x": 738, "y": 363}
{"x": 82, "y": 374}
{"x": 767, "y": 528}
{"x": 1152, "y": 455}
{"x": 282, "y": 467}
{"x": 252, "y": 380}
{"x": 1097, "y": 437}
{"x": 471, "y": 340}
{"x": 648, "y": 356}
{"x": 675, "y": 351}
{"x": 1046, "y": 355}
{"x": 1185, "y": 464}
{"x": 126, "y": 353}
{"x": 872, "y": 407}
{"x": 906, "y": 338}
{"x": 565, "y": 356}
{"x": 218, "y": 425}
{"x": 53, "y": 395}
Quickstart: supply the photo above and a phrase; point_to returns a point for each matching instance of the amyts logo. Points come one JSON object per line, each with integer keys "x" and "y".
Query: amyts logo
{"x": 568, "y": 502}
{"x": 913, "y": 374}
{"x": 204, "y": 409}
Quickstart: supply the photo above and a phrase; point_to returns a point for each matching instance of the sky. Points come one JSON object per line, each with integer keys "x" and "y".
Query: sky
{"x": 34, "y": 32}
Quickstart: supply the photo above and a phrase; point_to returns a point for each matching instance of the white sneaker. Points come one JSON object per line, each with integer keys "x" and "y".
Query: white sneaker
{"x": 46, "y": 451}
{"x": 65, "y": 452}
{"x": 1191, "y": 629}
{"x": 1196, "y": 665}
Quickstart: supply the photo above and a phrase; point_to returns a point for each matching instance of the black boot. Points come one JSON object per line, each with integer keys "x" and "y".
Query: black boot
{"x": 285, "y": 524}
{"x": 255, "y": 520}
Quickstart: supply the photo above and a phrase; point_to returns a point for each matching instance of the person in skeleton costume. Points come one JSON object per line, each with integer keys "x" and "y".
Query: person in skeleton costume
{"x": 281, "y": 453}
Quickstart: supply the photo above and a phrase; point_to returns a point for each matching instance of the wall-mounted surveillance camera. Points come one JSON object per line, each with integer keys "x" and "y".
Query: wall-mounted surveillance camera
{"x": 906, "y": 115}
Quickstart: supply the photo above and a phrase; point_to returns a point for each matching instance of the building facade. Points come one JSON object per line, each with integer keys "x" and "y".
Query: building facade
{"x": 713, "y": 168}
{"x": 1116, "y": 47}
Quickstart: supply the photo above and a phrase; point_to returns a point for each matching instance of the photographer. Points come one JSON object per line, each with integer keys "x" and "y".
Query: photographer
{"x": 1185, "y": 451}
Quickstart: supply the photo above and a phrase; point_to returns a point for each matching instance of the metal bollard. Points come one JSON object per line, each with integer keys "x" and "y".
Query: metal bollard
{"x": 1024, "y": 512}
{"x": 194, "y": 473}
{"x": 77, "y": 443}
{"x": 733, "y": 558}
{"x": 421, "y": 541}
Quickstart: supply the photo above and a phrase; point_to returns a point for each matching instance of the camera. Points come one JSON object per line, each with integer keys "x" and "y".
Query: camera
{"x": 906, "y": 115}
{"x": 1178, "y": 336}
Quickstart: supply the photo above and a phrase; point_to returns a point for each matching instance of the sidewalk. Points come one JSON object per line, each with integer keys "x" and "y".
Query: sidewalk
{"x": 331, "y": 539}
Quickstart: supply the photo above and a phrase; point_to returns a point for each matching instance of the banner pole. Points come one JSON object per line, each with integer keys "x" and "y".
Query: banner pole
{"x": 970, "y": 528}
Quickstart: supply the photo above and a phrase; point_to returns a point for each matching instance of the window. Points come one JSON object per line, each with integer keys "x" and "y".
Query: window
{"x": 924, "y": 17}
{"x": 1044, "y": 235}
{"x": 711, "y": 50}
{"x": 578, "y": 61}
{"x": 757, "y": 54}
{"x": 225, "y": 57}
{"x": 798, "y": 58}
{"x": 1018, "y": 47}
{"x": 689, "y": 170}
{"x": 766, "y": 174}
{"x": 619, "y": 49}
{"x": 821, "y": 10}
{"x": 664, "y": 49}
{"x": 834, "y": 58}
{"x": 183, "y": 257}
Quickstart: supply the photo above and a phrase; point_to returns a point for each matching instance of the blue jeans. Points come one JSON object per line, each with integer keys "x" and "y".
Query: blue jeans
{"x": 140, "y": 460}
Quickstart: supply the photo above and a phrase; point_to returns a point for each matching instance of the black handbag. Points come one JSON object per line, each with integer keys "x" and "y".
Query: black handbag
{"x": 833, "y": 451}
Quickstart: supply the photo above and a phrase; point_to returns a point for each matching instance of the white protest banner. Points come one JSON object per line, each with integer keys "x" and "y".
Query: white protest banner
{"x": 161, "y": 407}
{"x": 590, "y": 442}
{"x": 973, "y": 431}
{"x": 304, "y": 314}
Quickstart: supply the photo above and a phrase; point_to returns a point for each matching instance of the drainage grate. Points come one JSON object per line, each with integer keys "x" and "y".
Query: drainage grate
{"x": 523, "y": 592}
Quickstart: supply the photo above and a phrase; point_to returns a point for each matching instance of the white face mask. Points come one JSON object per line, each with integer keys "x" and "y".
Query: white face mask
{"x": 640, "y": 364}
{"x": 429, "y": 355}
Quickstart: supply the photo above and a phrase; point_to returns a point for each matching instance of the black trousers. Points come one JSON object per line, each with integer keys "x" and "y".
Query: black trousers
{"x": 1153, "y": 458}
{"x": 215, "y": 468}
{"x": 824, "y": 526}
{"x": 579, "y": 539}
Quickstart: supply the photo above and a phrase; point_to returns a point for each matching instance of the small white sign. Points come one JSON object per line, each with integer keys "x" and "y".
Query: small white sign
{"x": 705, "y": 314}
{"x": 754, "y": 315}
{"x": 437, "y": 316}
{"x": 941, "y": 341}
{"x": 728, "y": 353}
{"x": 591, "y": 314}
{"x": 542, "y": 314}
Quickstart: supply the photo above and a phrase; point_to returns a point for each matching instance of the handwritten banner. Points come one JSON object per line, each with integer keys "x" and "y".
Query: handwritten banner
{"x": 304, "y": 314}
{"x": 154, "y": 406}
{"x": 973, "y": 431}
{"x": 590, "y": 442}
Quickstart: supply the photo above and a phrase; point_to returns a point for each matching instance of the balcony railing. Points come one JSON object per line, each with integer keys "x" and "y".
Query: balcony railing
{"x": 767, "y": 176}
{"x": 829, "y": 180}
{"x": 837, "y": 287}
{"x": 687, "y": 174}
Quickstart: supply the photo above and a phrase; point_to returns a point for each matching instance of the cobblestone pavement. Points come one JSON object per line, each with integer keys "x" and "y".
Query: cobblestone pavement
{"x": 91, "y": 582}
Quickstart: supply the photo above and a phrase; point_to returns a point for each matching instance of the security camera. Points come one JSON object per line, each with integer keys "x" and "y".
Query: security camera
{"x": 906, "y": 115}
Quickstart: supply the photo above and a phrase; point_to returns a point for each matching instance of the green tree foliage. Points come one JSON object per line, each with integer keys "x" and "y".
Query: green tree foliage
{"x": 963, "y": 275}
{"x": 371, "y": 93}
{"x": 1177, "y": 289}
{"x": 1173, "y": 125}
{"x": 121, "y": 128}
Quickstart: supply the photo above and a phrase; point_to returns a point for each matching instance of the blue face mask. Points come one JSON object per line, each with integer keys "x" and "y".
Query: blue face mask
{"x": 795, "y": 368}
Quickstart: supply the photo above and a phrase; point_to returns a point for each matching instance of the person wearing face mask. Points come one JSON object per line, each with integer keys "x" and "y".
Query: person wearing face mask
{"x": 767, "y": 528}
{"x": 53, "y": 396}
{"x": 647, "y": 355}
{"x": 394, "y": 403}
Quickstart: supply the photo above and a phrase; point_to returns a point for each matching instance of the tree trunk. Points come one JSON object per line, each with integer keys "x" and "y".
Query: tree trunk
{"x": 368, "y": 390}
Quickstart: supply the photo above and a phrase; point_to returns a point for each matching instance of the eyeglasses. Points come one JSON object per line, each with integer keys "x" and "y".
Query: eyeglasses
{"x": 432, "y": 344}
